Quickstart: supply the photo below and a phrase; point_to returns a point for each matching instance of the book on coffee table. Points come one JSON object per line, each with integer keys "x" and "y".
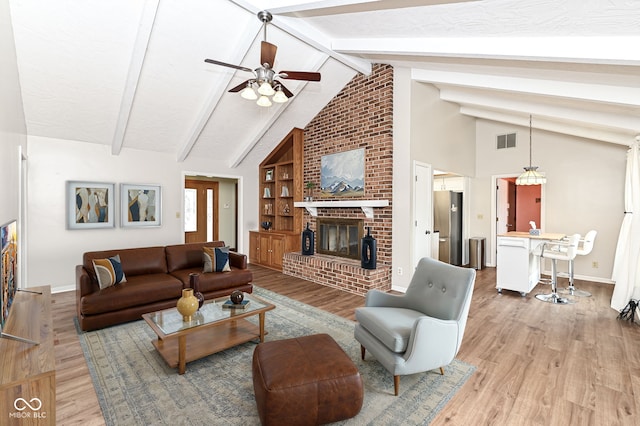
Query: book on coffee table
{"x": 230, "y": 305}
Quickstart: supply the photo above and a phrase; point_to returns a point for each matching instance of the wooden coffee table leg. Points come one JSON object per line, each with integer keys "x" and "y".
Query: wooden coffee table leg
{"x": 182, "y": 354}
{"x": 261, "y": 316}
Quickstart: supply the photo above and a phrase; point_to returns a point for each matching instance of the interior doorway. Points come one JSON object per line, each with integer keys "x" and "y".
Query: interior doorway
{"x": 423, "y": 212}
{"x": 454, "y": 188}
{"x": 518, "y": 207}
{"x": 514, "y": 207}
{"x": 211, "y": 210}
{"x": 201, "y": 211}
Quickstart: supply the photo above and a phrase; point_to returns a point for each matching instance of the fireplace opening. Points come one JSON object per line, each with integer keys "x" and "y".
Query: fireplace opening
{"x": 340, "y": 237}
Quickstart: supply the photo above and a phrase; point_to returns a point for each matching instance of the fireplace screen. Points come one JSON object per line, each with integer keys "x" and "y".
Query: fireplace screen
{"x": 340, "y": 237}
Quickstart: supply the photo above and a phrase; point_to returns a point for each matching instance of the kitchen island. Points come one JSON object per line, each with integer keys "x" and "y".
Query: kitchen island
{"x": 517, "y": 267}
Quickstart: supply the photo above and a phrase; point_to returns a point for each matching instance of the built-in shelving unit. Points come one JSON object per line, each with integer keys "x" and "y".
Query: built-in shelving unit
{"x": 280, "y": 188}
{"x": 281, "y": 184}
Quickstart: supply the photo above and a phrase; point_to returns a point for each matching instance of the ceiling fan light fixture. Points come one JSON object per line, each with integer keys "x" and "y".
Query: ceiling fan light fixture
{"x": 530, "y": 176}
{"x": 264, "y": 80}
{"x": 263, "y": 101}
{"x": 280, "y": 97}
{"x": 265, "y": 89}
{"x": 249, "y": 94}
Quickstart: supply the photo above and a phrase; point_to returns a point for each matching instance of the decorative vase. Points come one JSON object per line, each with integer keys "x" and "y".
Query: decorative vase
{"x": 309, "y": 195}
{"x": 187, "y": 304}
{"x": 236, "y": 297}
{"x": 369, "y": 248}
{"x": 308, "y": 238}
{"x": 194, "y": 282}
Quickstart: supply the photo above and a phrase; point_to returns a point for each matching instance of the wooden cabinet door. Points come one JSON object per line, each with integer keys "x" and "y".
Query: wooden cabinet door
{"x": 265, "y": 250}
{"x": 277, "y": 250}
{"x": 268, "y": 249}
{"x": 254, "y": 247}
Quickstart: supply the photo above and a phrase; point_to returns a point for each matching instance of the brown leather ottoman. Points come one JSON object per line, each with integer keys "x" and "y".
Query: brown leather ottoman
{"x": 304, "y": 381}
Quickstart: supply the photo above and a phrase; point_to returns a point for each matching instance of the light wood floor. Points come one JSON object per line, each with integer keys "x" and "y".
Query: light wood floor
{"x": 537, "y": 363}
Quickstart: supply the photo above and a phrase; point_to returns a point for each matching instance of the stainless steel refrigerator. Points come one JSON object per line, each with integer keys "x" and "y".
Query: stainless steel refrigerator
{"x": 447, "y": 219}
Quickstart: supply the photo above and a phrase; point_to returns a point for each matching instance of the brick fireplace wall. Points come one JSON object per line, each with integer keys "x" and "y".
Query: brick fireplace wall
{"x": 360, "y": 116}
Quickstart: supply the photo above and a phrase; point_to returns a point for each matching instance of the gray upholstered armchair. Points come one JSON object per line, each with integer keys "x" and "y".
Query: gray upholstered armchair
{"x": 421, "y": 329}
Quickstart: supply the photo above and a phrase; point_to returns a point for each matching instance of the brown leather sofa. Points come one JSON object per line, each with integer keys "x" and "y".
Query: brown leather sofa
{"x": 155, "y": 277}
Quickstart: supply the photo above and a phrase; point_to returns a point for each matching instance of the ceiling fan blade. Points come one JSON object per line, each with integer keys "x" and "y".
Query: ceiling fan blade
{"x": 224, "y": 64}
{"x": 286, "y": 91}
{"x": 268, "y": 53}
{"x": 300, "y": 75}
{"x": 240, "y": 86}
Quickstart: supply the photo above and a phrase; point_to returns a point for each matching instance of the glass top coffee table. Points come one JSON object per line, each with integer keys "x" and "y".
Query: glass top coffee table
{"x": 212, "y": 329}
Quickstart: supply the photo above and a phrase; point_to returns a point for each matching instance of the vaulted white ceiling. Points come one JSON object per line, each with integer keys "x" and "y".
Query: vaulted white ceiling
{"x": 131, "y": 73}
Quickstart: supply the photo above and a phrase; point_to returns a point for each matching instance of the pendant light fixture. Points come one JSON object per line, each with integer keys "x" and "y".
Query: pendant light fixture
{"x": 530, "y": 175}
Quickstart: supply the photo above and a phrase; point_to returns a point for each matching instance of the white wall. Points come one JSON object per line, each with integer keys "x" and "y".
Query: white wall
{"x": 53, "y": 251}
{"x": 440, "y": 135}
{"x": 428, "y": 130}
{"x": 584, "y": 190}
{"x": 12, "y": 122}
{"x": 402, "y": 232}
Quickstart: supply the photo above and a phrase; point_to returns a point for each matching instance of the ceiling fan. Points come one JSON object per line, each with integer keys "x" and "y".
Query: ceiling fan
{"x": 264, "y": 77}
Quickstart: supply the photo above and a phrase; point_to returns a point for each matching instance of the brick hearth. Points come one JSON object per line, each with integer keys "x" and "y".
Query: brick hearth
{"x": 337, "y": 272}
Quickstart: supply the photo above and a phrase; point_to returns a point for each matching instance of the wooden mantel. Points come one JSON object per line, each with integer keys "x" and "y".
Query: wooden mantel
{"x": 366, "y": 205}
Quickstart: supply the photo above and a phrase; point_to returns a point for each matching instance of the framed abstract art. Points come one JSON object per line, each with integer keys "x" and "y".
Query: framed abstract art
{"x": 90, "y": 205}
{"x": 141, "y": 205}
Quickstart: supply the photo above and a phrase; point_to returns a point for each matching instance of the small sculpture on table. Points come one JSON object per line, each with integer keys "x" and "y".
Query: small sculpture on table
{"x": 236, "y": 297}
{"x": 236, "y": 301}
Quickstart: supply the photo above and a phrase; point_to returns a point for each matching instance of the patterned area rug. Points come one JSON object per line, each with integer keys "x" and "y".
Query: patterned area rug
{"x": 135, "y": 386}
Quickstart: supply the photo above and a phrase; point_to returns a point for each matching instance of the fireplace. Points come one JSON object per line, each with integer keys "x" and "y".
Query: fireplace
{"x": 339, "y": 237}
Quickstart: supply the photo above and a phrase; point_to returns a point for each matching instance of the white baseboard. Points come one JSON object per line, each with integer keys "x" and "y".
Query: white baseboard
{"x": 62, "y": 289}
{"x": 582, "y": 277}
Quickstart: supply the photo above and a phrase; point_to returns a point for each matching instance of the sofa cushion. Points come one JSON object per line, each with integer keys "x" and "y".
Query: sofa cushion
{"x": 216, "y": 259}
{"x": 109, "y": 271}
{"x": 184, "y": 256}
{"x": 138, "y": 290}
{"x": 135, "y": 261}
{"x": 215, "y": 281}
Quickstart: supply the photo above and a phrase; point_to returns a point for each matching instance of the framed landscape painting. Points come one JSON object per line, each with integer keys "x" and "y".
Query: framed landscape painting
{"x": 141, "y": 205}
{"x": 342, "y": 174}
{"x": 90, "y": 205}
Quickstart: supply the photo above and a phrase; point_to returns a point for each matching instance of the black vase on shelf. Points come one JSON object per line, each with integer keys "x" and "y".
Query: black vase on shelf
{"x": 194, "y": 282}
{"x": 369, "y": 249}
{"x": 308, "y": 240}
